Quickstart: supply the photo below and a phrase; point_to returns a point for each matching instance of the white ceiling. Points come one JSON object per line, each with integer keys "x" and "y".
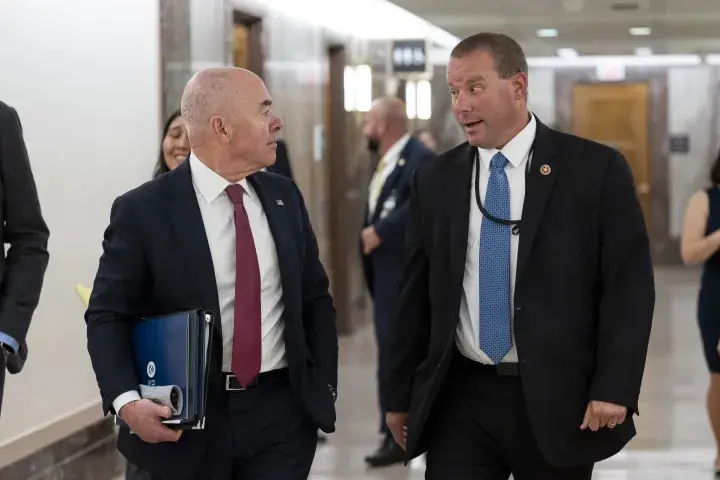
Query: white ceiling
{"x": 592, "y": 27}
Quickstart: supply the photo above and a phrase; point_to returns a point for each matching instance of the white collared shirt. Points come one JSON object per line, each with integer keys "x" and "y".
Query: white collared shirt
{"x": 217, "y": 213}
{"x": 390, "y": 158}
{"x": 516, "y": 151}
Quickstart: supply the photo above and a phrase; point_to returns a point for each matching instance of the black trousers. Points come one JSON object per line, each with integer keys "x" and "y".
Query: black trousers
{"x": 479, "y": 430}
{"x": 270, "y": 436}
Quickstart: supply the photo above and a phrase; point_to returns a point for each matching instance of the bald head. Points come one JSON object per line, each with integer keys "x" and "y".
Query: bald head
{"x": 211, "y": 92}
{"x": 391, "y": 110}
{"x": 385, "y": 124}
{"x": 229, "y": 120}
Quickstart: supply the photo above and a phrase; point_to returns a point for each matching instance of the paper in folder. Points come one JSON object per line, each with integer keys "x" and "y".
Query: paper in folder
{"x": 172, "y": 361}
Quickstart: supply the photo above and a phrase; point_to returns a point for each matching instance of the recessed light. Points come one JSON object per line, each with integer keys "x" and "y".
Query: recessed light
{"x": 643, "y": 51}
{"x": 567, "y": 52}
{"x": 640, "y": 31}
{"x": 547, "y": 33}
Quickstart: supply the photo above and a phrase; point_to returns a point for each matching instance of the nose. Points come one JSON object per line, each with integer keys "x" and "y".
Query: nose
{"x": 184, "y": 142}
{"x": 277, "y": 125}
{"x": 461, "y": 103}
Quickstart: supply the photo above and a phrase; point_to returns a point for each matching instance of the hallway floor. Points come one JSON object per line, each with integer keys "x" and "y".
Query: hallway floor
{"x": 673, "y": 441}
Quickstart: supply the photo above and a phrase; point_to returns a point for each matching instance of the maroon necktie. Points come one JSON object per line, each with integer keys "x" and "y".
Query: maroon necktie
{"x": 247, "y": 347}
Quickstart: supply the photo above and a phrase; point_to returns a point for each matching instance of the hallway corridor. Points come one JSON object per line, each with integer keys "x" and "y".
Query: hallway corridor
{"x": 673, "y": 441}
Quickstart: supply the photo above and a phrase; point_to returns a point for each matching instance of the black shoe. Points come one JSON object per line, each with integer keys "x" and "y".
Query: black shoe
{"x": 389, "y": 453}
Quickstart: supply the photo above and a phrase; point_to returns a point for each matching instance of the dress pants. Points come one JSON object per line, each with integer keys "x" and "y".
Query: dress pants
{"x": 270, "y": 436}
{"x": 479, "y": 430}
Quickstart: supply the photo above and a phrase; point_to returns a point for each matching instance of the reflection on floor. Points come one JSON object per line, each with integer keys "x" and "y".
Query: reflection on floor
{"x": 673, "y": 442}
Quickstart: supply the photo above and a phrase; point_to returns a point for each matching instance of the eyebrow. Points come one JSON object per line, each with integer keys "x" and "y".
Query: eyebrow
{"x": 474, "y": 79}
{"x": 266, "y": 103}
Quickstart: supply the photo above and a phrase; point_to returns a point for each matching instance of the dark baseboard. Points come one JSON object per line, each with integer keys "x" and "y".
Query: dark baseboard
{"x": 89, "y": 454}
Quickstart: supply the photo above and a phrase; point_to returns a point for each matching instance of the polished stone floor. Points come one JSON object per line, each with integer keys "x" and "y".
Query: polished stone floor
{"x": 673, "y": 442}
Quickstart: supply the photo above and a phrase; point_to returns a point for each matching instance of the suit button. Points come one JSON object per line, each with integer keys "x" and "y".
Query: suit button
{"x": 518, "y": 309}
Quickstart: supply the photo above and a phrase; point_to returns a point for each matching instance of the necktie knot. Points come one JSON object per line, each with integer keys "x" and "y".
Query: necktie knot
{"x": 235, "y": 193}
{"x": 498, "y": 161}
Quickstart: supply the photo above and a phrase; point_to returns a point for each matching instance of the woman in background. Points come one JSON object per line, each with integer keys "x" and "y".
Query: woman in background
{"x": 175, "y": 146}
{"x": 701, "y": 245}
{"x": 174, "y": 149}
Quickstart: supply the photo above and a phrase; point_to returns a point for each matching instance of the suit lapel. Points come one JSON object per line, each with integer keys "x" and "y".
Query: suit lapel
{"x": 274, "y": 207}
{"x": 189, "y": 233}
{"x": 457, "y": 188}
{"x": 393, "y": 178}
{"x": 540, "y": 182}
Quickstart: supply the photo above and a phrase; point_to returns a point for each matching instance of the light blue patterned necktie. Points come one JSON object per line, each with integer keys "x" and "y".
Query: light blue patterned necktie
{"x": 495, "y": 335}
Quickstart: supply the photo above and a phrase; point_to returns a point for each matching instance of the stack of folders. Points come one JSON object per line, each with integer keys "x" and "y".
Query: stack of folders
{"x": 172, "y": 360}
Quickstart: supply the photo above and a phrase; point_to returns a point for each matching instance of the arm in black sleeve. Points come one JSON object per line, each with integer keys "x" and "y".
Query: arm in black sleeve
{"x": 121, "y": 281}
{"x": 24, "y": 230}
{"x": 628, "y": 291}
{"x": 410, "y": 333}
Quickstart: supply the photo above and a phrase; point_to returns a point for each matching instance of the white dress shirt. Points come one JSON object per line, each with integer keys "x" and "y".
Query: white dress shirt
{"x": 390, "y": 158}
{"x": 517, "y": 152}
{"x": 217, "y": 213}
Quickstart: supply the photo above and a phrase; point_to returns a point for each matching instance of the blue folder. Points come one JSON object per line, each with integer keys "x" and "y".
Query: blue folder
{"x": 174, "y": 351}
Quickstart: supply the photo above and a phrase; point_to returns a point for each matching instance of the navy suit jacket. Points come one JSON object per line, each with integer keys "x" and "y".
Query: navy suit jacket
{"x": 156, "y": 260}
{"x": 383, "y": 266}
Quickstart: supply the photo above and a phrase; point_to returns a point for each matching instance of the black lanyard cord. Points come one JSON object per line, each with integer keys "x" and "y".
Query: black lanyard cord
{"x": 515, "y": 224}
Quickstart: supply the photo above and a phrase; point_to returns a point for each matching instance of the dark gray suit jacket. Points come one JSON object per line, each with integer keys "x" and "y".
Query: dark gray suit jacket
{"x": 22, "y": 270}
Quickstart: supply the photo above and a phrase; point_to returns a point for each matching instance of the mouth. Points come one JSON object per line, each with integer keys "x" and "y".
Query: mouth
{"x": 471, "y": 125}
{"x": 180, "y": 156}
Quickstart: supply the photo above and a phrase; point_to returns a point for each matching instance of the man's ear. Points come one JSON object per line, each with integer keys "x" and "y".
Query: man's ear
{"x": 520, "y": 84}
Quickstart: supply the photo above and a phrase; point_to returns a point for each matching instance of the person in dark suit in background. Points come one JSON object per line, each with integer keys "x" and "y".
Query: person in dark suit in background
{"x": 528, "y": 293}
{"x": 23, "y": 267}
{"x": 282, "y": 161}
{"x": 218, "y": 233}
{"x": 382, "y": 237}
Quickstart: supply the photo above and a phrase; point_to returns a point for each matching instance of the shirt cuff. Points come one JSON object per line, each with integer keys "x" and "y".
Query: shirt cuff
{"x": 123, "y": 399}
{"x": 11, "y": 343}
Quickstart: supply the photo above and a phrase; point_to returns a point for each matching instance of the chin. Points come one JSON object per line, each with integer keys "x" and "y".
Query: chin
{"x": 481, "y": 142}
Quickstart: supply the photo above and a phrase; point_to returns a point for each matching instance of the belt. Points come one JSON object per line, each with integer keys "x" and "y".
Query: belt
{"x": 273, "y": 377}
{"x": 504, "y": 369}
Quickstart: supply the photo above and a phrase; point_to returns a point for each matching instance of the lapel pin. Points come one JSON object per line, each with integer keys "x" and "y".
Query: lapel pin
{"x": 545, "y": 169}
{"x": 280, "y": 202}
{"x": 401, "y": 162}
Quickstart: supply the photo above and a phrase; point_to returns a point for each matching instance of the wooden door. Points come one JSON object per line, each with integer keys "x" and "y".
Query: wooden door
{"x": 241, "y": 54}
{"x": 617, "y": 115}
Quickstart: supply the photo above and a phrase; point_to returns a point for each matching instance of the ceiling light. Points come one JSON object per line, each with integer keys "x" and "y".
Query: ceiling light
{"x": 640, "y": 31}
{"x": 547, "y": 33}
{"x": 643, "y": 51}
{"x": 627, "y": 60}
{"x": 567, "y": 52}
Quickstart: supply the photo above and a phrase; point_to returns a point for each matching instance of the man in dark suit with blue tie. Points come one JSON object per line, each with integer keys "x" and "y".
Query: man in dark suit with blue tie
{"x": 219, "y": 233}
{"x": 383, "y": 234}
{"x": 528, "y": 293}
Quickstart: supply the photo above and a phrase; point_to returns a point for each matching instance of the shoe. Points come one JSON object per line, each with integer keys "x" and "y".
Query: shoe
{"x": 388, "y": 453}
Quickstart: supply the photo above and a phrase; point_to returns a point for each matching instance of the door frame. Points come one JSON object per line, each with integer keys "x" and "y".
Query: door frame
{"x": 256, "y": 54}
{"x": 341, "y": 226}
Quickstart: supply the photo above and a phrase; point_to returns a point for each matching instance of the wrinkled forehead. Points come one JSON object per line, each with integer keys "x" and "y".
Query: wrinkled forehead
{"x": 473, "y": 67}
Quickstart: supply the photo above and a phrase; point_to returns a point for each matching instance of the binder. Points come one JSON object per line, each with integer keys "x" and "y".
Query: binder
{"x": 172, "y": 361}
